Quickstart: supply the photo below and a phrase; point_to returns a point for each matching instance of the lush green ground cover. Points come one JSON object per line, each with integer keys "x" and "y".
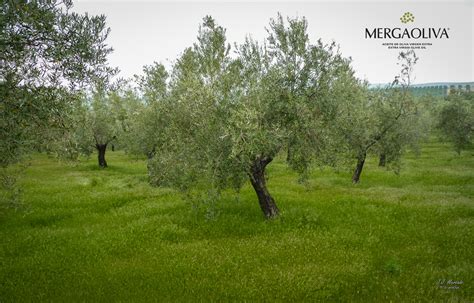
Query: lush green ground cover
{"x": 86, "y": 234}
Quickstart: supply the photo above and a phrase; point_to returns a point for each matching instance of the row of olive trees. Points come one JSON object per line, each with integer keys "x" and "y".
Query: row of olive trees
{"x": 217, "y": 120}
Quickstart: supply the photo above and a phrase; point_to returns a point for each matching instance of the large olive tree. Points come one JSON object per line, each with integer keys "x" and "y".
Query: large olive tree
{"x": 230, "y": 117}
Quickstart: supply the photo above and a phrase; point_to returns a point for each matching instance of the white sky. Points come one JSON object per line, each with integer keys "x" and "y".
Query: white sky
{"x": 147, "y": 31}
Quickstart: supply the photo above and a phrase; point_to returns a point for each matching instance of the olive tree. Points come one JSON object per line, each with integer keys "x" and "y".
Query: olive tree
{"x": 381, "y": 121}
{"x": 47, "y": 53}
{"x": 145, "y": 121}
{"x": 45, "y": 50}
{"x": 230, "y": 117}
{"x": 456, "y": 119}
{"x": 100, "y": 121}
{"x": 189, "y": 139}
{"x": 102, "y": 125}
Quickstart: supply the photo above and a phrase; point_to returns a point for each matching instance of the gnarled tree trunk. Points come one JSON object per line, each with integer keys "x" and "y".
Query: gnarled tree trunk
{"x": 382, "y": 159}
{"x": 101, "y": 152}
{"x": 257, "y": 178}
{"x": 359, "y": 167}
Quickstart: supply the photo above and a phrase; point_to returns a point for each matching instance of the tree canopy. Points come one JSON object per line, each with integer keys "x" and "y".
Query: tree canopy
{"x": 228, "y": 118}
{"x": 380, "y": 121}
{"x": 217, "y": 118}
{"x": 47, "y": 52}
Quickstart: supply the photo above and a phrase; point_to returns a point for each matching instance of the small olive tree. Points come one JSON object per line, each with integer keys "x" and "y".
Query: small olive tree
{"x": 230, "y": 117}
{"x": 381, "y": 121}
{"x": 99, "y": 120}
{"x": 456, "y": 119}
{"x": 106, "y": 120}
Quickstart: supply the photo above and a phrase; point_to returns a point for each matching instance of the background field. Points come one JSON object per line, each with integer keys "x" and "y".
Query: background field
{"x": 87, "y": 234}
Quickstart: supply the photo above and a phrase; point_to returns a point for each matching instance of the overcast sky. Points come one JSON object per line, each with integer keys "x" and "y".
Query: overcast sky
{"x": 147, "y": 31}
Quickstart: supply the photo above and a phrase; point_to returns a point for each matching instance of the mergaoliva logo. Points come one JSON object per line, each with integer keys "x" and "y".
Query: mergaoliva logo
{"x": 407, "y": 33}
{"x": 407, "y": 18}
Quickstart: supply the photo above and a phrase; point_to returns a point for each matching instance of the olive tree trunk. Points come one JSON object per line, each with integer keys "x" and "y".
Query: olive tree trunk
{"x": 359, "y": 167}
{"x": 149, "y": 164}
{"x": 257, "y": 178}
{"x": 101, "y": 148}
{"x": 382, "y": 160}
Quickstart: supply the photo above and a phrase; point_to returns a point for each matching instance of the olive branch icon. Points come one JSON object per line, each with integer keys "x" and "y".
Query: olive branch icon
{"x": 407, "y": 17}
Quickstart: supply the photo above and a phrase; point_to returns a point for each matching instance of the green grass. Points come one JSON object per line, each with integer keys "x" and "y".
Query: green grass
{"x": 86, "y": 234}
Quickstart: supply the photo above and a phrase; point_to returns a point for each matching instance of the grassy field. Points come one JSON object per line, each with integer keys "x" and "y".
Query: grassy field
{"x": 86, "y": 234}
